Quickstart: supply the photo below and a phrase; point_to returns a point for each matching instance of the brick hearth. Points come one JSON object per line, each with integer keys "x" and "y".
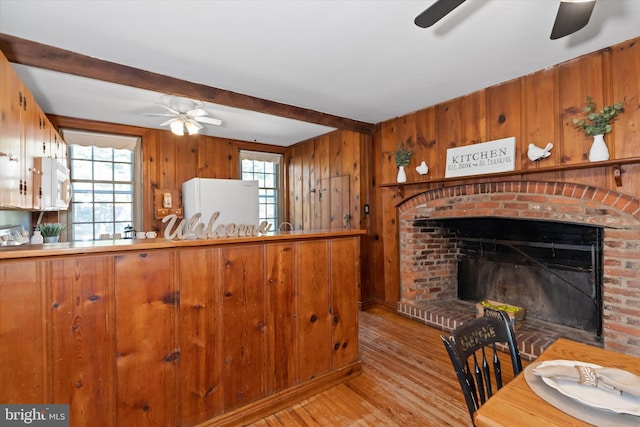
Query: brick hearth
{"x": 533, "y": 337}
{"x": 428, "y": 272}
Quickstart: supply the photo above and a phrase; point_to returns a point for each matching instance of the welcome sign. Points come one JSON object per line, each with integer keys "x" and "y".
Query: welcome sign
{"x": 477, "y": 159}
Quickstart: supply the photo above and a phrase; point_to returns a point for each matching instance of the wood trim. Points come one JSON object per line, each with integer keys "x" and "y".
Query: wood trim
{"x": 95, "y": 126}
{"x": 269, "y": 405}
{"x": 613, "y": 162}
{"x": 377, "y": 303}
{"x": 30, "y": 53}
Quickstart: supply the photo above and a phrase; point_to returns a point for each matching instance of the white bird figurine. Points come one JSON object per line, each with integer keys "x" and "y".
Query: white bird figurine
{"x": 536, "y": 153}
{"x": 423, "y": 168}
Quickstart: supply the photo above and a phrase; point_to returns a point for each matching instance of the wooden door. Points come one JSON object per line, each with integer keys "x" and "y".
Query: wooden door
{"x": 332, "y": 205}
{"x": 44, "y": 136}
{"x": 41, "y": 148}
{"x": 58, "y": 147}
{"x": 10, "y": 148}
{"x": 30, "y": 132}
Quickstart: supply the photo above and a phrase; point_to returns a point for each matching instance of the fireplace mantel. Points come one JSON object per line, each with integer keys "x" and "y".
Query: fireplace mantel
{"x": 616, "y": 163}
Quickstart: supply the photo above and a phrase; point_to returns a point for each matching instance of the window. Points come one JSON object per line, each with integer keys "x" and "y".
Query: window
{"x": 104, "y": 184}
{"x": 264, "y": 168}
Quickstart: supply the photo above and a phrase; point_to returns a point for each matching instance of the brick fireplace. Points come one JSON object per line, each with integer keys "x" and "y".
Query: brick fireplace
{"x": 428, "y": 266}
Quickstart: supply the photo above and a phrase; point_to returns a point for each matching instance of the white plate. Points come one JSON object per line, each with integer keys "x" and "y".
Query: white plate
{"x": 592, "y": 396}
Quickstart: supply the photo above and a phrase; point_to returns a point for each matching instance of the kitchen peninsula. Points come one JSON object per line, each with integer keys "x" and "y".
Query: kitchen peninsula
{"x": 192, "y": 332}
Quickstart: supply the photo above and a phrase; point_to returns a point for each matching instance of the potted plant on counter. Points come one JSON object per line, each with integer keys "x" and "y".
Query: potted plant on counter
{"x": 597, "y": 124}
{"x": 51, "y": 231}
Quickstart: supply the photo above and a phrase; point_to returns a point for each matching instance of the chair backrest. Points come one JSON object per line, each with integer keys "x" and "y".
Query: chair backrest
{"x": 467, "y": 350}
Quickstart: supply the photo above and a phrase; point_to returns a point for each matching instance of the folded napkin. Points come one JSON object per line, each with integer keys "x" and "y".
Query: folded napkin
{"x": 609, "y": 379}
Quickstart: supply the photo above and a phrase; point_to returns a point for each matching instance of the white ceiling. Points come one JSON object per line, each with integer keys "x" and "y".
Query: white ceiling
{"x": 363, "y": 60}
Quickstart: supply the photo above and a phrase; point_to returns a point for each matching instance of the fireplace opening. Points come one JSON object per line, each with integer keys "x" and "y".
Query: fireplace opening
{"x": 552, "y": 269}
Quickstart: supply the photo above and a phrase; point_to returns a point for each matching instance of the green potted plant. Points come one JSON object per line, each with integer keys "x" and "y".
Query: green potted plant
{"x": 402, "y": 156}
{"x": 597, "y": 124}
{"x": 51, "y": 231}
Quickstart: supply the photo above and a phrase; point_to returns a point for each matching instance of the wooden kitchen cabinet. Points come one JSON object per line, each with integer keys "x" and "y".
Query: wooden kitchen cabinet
{"x": 29, "y": 132}
{"x": 10, "y": 136}
{"x": 25, "y": 133}
{"x": 58, "y": 147}
{"x": 213, "y": 333}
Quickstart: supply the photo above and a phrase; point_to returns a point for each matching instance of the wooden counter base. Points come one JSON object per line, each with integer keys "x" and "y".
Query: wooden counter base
{"x": 272, "y": 404}
{"x": 179, "y": 333}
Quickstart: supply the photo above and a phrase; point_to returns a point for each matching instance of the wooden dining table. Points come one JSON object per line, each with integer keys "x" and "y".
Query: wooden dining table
{"x": 516, "y": 404}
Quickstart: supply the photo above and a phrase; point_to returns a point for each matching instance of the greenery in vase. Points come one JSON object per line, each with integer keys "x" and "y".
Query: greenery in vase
{"x": 51, "y": 229}
{"x": 402, "y": 155}
{"x": 597, "y": 123}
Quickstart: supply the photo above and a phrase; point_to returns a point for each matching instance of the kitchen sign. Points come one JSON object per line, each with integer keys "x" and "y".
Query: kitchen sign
{"x": 478, "y": 159}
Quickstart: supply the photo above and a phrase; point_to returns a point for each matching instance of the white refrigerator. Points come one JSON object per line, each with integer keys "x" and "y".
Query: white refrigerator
{"x": 236, "y": 200}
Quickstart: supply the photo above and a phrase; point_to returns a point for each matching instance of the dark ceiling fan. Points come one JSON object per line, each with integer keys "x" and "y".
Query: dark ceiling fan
{"x": 572, "y": 15}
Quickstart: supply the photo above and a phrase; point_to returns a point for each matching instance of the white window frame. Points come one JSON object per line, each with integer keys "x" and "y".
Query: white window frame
{"x": 276, "y": 158}
{"x": 104, "y": 140}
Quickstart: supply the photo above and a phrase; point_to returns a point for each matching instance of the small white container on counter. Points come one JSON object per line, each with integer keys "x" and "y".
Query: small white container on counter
{"x": 37, "y": 238}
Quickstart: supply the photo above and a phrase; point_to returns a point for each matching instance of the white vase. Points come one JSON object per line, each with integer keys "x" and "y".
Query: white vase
{"x": 402, "y": 176}
{"x": 599, "y": 150}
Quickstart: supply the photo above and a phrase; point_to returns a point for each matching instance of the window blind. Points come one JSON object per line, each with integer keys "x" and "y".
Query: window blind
{"x": 103, "y": 140}
{"x": 260, "y": 156}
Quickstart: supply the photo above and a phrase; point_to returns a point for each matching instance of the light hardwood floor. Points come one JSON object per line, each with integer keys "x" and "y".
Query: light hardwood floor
{"x": 407, "y": 381}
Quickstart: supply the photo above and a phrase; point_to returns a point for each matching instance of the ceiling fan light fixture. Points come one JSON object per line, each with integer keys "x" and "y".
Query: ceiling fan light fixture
{"x": 177, "y": 127}
{"x": 192, "y": 127}
{"x": 184, "y": 114}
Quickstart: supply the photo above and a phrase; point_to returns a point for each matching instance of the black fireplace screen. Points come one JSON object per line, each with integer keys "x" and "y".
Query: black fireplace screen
{"x": 552, "y": 269}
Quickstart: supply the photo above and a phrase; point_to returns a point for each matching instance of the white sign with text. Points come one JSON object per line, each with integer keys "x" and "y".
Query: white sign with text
{"x": 478, "y": 159}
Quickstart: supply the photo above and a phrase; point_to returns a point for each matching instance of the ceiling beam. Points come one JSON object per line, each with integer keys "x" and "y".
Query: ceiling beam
{"x": 34, "y": 54}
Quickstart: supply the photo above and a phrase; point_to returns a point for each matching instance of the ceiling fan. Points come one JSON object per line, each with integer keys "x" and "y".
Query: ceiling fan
{"x": 572, "y": 15}
{"x": 185, "y": 113}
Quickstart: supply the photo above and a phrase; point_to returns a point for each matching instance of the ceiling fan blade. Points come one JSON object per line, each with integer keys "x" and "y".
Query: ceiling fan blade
{"x": 168, "y": 122}
{"x": 436, "y": 12}
{"x": 170, "y": 109}
{"x": 208, "y": 120}
{"x": 197, "y": 112}
{"x": 572, "y": 16}
{"x": 158, "y": 114}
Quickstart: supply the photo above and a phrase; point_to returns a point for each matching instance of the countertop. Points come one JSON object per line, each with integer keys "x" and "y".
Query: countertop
{"x": 104, "y": 246}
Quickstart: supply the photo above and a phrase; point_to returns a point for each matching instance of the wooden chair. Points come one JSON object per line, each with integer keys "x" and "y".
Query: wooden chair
{"x": 467, "y": 346}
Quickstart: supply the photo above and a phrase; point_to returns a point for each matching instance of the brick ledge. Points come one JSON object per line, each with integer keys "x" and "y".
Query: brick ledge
{"x": 533, "y": 337}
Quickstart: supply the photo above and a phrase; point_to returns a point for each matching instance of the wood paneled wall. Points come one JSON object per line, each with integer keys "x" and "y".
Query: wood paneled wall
{"x": 169, "y": 160}
{"x": 330, "y": 178}
{"x": 536, "y": 108}
{"x": 327, "y": 181}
